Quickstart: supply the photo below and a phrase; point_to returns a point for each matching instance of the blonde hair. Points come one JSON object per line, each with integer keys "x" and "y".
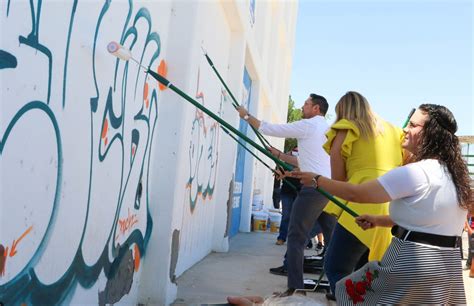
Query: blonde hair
{"x": 354, "y": 107}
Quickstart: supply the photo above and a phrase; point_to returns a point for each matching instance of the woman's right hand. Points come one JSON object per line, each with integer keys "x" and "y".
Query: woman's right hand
{"x": 367, "y": 221}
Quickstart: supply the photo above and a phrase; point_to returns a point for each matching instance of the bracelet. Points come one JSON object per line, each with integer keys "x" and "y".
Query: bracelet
{"x": 315, "y": 180}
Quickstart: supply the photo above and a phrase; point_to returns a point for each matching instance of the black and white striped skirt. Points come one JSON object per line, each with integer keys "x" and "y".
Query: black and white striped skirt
{"x": 409, "y": 273}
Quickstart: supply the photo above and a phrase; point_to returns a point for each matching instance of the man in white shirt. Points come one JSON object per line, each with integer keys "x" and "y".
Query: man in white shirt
{"x": 308, "y": 205}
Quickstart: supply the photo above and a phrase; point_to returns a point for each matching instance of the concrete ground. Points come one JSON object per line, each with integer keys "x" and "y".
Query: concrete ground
{"x": 244, "y": 271}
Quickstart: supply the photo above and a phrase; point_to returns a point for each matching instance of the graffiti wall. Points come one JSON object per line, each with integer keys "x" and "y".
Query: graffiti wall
{"x": 111, "y": 184}
{"x": 75, "y": 139}
{"x": 204, "y": 135}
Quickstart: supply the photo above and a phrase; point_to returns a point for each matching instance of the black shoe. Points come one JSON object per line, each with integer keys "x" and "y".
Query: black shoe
{"x": 279, "y": 271}
{"x": 330, "y": 296}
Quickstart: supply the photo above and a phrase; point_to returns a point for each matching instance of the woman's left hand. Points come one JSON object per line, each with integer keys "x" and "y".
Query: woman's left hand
{"x": 306, "y": 178}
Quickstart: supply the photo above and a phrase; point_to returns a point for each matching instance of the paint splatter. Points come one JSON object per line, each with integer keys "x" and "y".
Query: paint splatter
{"x": 137, "y": 258}
{"x": 163, "y": 71}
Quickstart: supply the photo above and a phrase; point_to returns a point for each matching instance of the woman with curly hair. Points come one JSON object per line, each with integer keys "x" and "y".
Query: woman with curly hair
{"x": 429, "y": 199}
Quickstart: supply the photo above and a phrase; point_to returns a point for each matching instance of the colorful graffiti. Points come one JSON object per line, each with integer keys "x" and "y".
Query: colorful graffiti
{"x": 203, "y": 155}
{"x": 77, "y": 141}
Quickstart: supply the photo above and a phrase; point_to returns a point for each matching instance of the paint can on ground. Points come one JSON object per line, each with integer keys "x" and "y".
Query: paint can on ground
{"x": 257, "y": 201}
{"x": 275, "y": 220}
{"x": 259, "y": 221}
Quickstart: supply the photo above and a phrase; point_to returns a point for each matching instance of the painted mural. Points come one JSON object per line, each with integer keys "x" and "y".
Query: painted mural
{"x": 203, "y": 150}
{"x": 76, "y": 134}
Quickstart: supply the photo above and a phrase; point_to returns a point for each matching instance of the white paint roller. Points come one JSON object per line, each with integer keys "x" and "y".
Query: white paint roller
{"x": 119, "y": 51}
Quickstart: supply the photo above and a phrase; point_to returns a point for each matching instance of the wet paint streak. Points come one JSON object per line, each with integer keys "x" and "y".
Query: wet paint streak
{"x": 3, "y": 259}
{"x": 66, "y": 57}
{"x": 8, "y": 7}
{"x": 7, "y": 60}
{"x": 33, "y": 41}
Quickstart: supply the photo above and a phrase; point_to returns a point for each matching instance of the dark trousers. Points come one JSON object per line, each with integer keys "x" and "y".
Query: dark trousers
{"x": 345, "y": 254}
{"x": 287, "y": 200}
{"x": 470, "y": 252}
{"x": 307, "y": 208}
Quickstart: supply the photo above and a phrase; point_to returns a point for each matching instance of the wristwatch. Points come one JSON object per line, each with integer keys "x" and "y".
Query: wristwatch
{"x": 315, "y": 180}
{"x": 246, "y": 117}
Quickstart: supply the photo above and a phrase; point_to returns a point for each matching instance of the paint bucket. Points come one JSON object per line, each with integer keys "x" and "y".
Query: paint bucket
{"x": 275, "y": 220}
{"x": 259, "y": 221}
{"x": 257, "y": 202}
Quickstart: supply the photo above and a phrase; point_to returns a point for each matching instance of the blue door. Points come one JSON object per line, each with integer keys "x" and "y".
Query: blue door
{"x": 240, "y": 163}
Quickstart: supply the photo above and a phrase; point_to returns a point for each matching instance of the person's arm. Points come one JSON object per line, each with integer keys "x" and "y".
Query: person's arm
{"x": 290, "y": 159}
{"x": 398, "y": 183}
{"x": 369, "y": 192}
{"x": 338, "y": 164}
{"x": 370, "y": 221}
{"x": 250, "y": 119}
{"x": 297, "y": 129}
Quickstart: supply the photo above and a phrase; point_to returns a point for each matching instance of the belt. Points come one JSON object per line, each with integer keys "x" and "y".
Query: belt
{"x": 426, "y": 238}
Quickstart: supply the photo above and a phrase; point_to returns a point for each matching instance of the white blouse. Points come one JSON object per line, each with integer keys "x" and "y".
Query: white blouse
{"x": 424, "y": 198}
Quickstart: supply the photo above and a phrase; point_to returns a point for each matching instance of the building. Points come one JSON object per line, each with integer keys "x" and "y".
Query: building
{"x": 112, "y": 185}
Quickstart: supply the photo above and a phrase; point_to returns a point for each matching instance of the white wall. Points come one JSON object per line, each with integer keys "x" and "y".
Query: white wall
{"x": 112, "y": 187}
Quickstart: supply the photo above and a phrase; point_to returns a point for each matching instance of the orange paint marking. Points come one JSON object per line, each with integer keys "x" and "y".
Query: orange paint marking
{"x": 145, "y": 91}
{"x": 126, "y": 224}
{"x": 15, "y": 242}
{"x": 106, "y": 140}
{"x": 133, "y": 150}
{"x": 105, "y": 128}
{"x": 162, "y": 70}
{"x": 147, "y": 103}
{"x": 137, "y": 258}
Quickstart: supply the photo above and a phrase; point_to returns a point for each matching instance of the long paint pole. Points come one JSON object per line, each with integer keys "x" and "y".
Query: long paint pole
{"x": 262, "y": 139}
{"x": 124, "y": 54}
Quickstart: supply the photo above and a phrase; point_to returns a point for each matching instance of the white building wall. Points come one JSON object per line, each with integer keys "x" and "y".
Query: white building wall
{"x": 111, "y": 187}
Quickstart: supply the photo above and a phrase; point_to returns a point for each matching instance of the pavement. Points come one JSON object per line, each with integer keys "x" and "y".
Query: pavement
{"x": 244, "y": 271}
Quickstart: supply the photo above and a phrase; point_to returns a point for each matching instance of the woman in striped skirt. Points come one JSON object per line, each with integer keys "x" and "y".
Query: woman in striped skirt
{"x": 429, "y": 199}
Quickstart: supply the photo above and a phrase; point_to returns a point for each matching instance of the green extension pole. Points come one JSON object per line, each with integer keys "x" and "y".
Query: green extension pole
{"x": 260, "y": 160}
{"x": 234, "y": 101}
{"x": 283, "y": 165}
{"x": 408, "y": 119}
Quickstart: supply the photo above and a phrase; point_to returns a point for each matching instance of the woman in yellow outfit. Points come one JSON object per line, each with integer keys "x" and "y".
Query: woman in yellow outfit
{"x": 362, "y": 147}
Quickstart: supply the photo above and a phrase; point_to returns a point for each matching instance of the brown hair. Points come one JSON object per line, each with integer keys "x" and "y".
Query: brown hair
{"x": 439, "y": 142}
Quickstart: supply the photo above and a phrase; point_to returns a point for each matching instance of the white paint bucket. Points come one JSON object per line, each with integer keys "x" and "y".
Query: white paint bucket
{"x": 259, "y": 221}
{"x": 257, "y": 202}
{"x": 275, "y": 220}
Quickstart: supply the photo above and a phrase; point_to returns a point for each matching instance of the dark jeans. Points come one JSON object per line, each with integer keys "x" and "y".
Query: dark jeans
{"x": 287, "y": 200}
{"x": 307, "y": 208}
{"x": 345, "y": 254}
{"x": 276, "y": 197}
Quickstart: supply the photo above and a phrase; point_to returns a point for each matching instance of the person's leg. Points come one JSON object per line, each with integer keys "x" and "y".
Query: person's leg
{"x": 342, "y": 255}
{"x": 328, "y": 223}
{"x": 306, "y": 209}
{"x": 286, "y": 203}
{"x": 276, "y": 197}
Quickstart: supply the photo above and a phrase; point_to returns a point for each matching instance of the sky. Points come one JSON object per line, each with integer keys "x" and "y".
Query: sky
{"x": 397, "y": 53}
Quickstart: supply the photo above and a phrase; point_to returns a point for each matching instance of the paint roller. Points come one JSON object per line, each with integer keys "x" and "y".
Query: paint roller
{"x": 122, "y": 53}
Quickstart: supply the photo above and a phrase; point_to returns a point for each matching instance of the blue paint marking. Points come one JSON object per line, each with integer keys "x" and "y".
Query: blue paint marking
{"x": 7, "y": 60}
